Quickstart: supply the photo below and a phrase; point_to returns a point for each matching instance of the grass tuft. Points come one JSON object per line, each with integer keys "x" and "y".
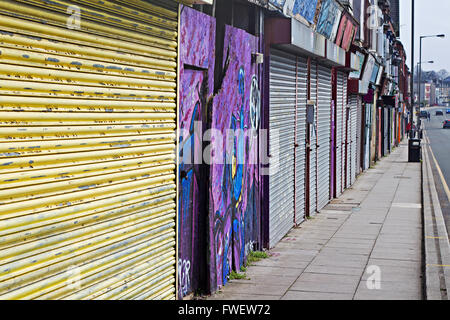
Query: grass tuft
{"x": 256, "y": 256}
{"x": 236, "y": 275}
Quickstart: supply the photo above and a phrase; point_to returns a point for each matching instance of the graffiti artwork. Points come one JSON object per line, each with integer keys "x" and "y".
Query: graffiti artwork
{"x": 329, "y": 13}
{"x": 305, "y": 8}
{"x": 278, "y": 3}
{"x": 196, "y": 85}
{"x": 234, "y": 205}
{"x": 297, "y": 8}
{"x": 255, "y": 103}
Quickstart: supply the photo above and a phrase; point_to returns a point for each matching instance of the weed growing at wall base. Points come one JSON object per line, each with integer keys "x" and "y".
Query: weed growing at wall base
{"x": 256, "y": 256}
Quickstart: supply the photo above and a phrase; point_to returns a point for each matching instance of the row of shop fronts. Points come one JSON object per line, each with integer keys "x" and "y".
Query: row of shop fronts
{"x": 101, "y": 197}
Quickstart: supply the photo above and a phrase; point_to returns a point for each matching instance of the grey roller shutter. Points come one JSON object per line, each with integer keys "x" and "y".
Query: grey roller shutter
{"x": 339, "y": 132}
{"x": 358, "y": 135}
{"x": 347, "y": 134}
{"x": 324, "y": 136}
{"x": 367, "y": 132}
{"x": 385, "y": 131}
{"x": 313, "y": 144}
{"x": 300, "y": 158}
{"x": 353, "y": 133}
{"x": 281, "y": 133}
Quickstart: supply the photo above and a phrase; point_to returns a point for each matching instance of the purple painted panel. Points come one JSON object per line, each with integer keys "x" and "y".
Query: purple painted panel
{"x": 189, "y": 222}
{"x": 197, "y": 33}
{"x": 234, "y": 194}
{"x": 197, "y": 42}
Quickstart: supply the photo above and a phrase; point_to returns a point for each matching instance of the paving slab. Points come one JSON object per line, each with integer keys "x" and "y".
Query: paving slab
{"x": 311, "y": 295}
{"x": 242, "y": 296}
{"x": 331, "y": 256}
{"x": 331, "y": 283}
{"x": 333, "y": 269}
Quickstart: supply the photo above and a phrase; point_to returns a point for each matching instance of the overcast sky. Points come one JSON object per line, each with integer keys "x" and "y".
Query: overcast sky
{"x": 431, "y": 17}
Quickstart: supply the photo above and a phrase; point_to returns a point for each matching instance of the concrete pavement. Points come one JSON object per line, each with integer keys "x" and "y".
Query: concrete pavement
{"x": 367, "y": 244}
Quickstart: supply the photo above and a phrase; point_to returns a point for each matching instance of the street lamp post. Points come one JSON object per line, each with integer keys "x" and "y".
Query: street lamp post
{"x": 420, "y": 59}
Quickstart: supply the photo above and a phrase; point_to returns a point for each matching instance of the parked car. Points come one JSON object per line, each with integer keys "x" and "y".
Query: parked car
{"x": 439, "y": 112}
{"x": 448, "y": 111}
{"x": 446, "y": 124}
{"x": 423, "y": 114}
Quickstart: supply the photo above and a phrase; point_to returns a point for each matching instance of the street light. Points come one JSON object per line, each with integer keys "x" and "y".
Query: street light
{"x": 420, "y": 58}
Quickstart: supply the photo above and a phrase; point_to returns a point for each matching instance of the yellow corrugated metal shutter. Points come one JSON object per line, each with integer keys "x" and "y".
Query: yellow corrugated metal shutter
{"x": 87, "y": 149}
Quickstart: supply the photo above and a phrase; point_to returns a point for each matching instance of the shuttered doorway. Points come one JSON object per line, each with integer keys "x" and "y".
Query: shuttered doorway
{"x": 87, "y": 138}
{"x": 282, "y": 140}
{"x": 324, "y": 136}
{"x": 353, "y": 101}
{"x": 313, "y": 141}
{"x": 347, "y": 137}
{"x": 359, "y": 135}
{"x": 300, "y": 158}
{"x": 340, "y": 146}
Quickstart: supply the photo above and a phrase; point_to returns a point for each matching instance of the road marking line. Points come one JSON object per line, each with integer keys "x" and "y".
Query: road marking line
{"x": 429, "y": 237}
{"x": 444, "y": 183}
{"x": 407, "y": 205}
{"x": 438, "y": 265}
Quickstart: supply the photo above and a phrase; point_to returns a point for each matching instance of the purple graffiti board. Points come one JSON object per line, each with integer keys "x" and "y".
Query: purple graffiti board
{"x": 197, "y": 58}
{"x": 234, "y": 201}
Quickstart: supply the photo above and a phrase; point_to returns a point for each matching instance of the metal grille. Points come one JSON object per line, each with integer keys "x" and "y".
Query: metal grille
{"x": 324, "y": 136}
{"x": 367, "y": 134}
{"x": 313, "y": 143}
{"x": 87, "y": 129}
{"x": 300, "y": 166}
{"x": 282, "y": 139}
{"x": 353, "y": 138}
{"x": 359, "y": 135}
{"x": 347, "y": 137}
{"x": 385, "y": 132}
{"x": 340, "y": 108}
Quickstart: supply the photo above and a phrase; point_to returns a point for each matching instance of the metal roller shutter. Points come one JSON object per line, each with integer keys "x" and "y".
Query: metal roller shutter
{"x": 359, "y": 135}
{"x": 324, "y": 136}
{"x": 281, "y": 132}
{"x": 367, "y": 134}
{"x": 353, "y": 129}
{"x": 392, "y": 125}
{"x": 339, "y": 133}
{"x": 300, "y": 166}
{"x": 313, "y": 144}
{"x": 347, "y": 137}
{"x": 385, "y": 131}
{"x": 87, "y": 129}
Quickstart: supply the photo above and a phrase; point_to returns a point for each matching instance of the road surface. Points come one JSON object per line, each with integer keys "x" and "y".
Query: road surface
{"x": 439, "y": 140}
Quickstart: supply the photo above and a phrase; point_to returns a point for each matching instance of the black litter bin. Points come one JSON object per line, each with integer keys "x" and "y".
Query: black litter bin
{"x": 414, "y": 150}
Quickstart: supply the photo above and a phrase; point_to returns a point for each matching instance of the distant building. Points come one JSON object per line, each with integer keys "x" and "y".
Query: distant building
{"x": 395, "y": 16}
